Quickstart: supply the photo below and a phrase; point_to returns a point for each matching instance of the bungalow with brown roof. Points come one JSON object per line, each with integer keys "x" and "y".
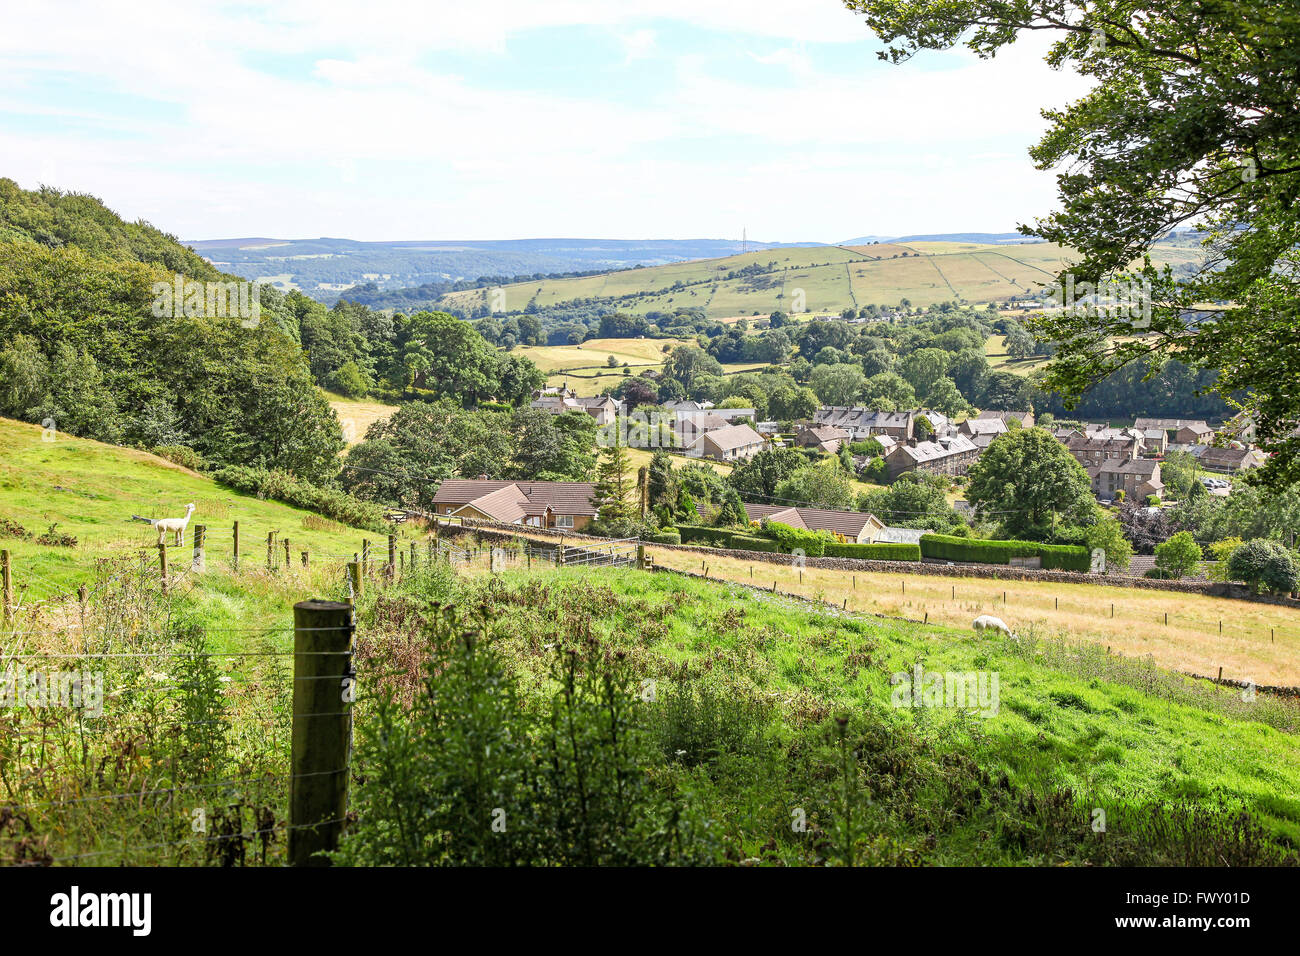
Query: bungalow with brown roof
{"x": 853, "y": 526}
{"x": 566, "y": 505}
{"x": 729, "y": 443}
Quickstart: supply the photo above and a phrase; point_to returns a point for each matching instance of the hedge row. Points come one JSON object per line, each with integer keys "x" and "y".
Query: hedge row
{"x": 1061, "y": 557}
{"x": 875, "y": 552}
{"x": 664, "y": 536}
{"x": 713, "y": 536}
{"x": 811, "y": 543}
{"x": 745, "y": 542}
{"x": 283, "y": 487}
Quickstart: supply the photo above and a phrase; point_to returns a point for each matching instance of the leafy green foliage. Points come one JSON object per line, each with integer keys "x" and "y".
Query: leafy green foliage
{"x": 85, "y": 350}
{"x": 1189, "y": 119}
{"x": 285, "y": 488}
{"x": 885, "y": 551}
{"x": 1179, "y": 556}
{"x": 468, "y": 776}
{"x": 1028, "y": 481}
{"x": 1265, "y": 566}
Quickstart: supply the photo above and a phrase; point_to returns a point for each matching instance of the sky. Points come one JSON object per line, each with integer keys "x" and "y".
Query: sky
{"x": 499, "y": 119}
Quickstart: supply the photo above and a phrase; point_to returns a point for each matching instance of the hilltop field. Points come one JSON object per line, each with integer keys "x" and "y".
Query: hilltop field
{"x": 818, "y": 278}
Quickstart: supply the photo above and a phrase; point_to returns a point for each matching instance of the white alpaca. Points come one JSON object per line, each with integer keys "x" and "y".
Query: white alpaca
{"x": 987, "y": 622}
{"x": 170, "y": 525}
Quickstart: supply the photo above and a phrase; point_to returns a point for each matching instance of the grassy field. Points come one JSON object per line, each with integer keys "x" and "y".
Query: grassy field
{"x": 996, "y": 350}
{"x": 824, "y": 278}
{"x": 1259, "y": 642}
{"x": 585, "y": 368}
{"x": 357, "y": 415}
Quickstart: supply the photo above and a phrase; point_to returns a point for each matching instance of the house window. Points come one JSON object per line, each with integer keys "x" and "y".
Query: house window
{"x": 564, "y": 521}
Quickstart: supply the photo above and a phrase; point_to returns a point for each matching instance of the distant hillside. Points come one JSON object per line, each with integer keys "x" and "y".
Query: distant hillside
{"x": 942, "y": 237}
{"x": 322, "y": 268}
{"x": 815, "y": 279}
{"x": 55, "y": 219}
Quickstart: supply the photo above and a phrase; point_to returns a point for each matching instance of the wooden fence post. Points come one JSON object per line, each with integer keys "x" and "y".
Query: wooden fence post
{"x": 7, "y": 573}
{"x": 162, "y": 565}
{"x": 323, "y": 690}
{"x": 288, "y": 559}
{"x": 365, "y": 555}
{"x": 199, "y": 564}
{"x": 392, "y": 556}
{"x": 415, "y": 556}
{"x": 236, "y": 540}
{"x": 270, "y": 551}
{"x": 640, "y": 558}
{"x": 355, "y": 578}
{"x": 304, "y": 559}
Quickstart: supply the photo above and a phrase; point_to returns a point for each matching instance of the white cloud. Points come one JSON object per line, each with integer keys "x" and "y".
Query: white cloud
{"x": 372, "y": 137}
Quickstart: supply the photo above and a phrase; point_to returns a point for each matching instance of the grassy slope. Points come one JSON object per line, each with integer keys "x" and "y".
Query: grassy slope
{"x": 1106, "y": 727}
{"x": 91, "y": 490}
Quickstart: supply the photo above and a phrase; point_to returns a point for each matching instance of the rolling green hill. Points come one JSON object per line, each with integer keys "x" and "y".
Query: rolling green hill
{"x": 816, "y": 279}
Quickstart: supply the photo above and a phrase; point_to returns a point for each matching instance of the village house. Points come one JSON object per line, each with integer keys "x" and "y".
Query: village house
{"x": 852, "y": 526}
{"x": 1185, "y": 431}
{"x": 1026, "y": 419}
{"x": 1091, "y": 451}
{"x": 565, "y": 505}
{"x": 729, "y": 443}
{"x": 823, "y": 438}
{"x": 1155, "y": 441}
{"x": 951, "y": 455}
{"x": 1136, "y": 477}
{"x": 604, "y": 409}
{"x": 691, "y": 425}
{"x": 863, "y": 422}
{"x": 982, "y": 431}
{"x": 1230, "y": 459}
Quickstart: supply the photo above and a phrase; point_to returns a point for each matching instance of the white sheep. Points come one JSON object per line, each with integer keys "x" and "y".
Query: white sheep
{"x": 173, "y": 525}
{"x": 987, "y": 622}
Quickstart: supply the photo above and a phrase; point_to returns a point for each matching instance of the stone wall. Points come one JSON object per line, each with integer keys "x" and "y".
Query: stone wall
{"x": 929, "y": 567}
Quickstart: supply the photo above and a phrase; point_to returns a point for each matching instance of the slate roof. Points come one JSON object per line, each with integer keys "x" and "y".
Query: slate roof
{"x": 1173, "y": 424}
{"x": 926, "y": 451}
